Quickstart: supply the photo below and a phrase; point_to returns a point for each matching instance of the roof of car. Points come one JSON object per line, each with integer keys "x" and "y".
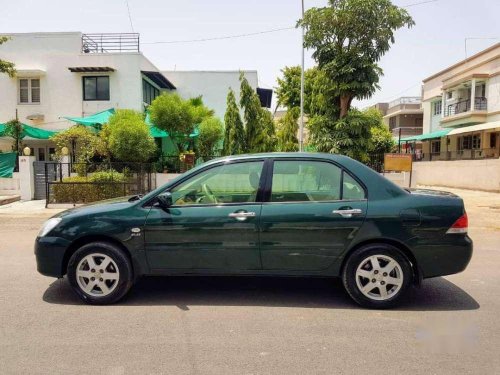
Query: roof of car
{"x": 317, "y": 155}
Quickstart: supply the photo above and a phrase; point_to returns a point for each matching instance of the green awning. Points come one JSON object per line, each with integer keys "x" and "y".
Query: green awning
{"x": 97, "y": 119}
{"x": 154, "y": 131}
{"x": 423, "y": 137}
{"x": 7, "y": 163}
{"x": 30, "y": 131}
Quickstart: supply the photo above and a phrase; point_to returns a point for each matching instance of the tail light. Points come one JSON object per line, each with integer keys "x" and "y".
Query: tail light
{"x": 459, "y": 226}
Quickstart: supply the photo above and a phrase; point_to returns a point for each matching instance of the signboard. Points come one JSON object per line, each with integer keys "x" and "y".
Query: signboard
{"x": 397, "y": 162}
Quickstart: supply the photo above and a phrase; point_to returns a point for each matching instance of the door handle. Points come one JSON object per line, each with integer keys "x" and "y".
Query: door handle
{"x": 348, "y": 212}
{"x": 242, "y": 215}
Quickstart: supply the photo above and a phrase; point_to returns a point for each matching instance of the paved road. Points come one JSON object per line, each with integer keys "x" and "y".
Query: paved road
{"x": 248, "y": 325}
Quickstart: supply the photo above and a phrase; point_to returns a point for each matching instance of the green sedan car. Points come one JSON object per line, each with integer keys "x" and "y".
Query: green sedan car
{"x": 280, "y": 214}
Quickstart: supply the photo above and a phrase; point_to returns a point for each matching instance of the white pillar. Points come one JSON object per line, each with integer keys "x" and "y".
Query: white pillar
{"x": 473, "y": 94}
{"x": 27, "y": 177}
{"x": 443, "y": 104}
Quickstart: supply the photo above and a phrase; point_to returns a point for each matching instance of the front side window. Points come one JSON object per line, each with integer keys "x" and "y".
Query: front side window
{"x": 313, "y": 181}
{"x": 149, "y": 92}
{"x": 96, "y": 88}
{"x": 29, "y": 90}
{"x": 227, "y": 183}
{"x": 436, "y": 147}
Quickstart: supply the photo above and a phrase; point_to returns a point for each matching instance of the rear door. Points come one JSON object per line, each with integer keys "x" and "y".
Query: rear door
{"x": 313, "y": 212}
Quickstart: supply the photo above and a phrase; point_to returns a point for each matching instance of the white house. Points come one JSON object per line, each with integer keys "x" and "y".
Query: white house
{"x": 71, "y": 74}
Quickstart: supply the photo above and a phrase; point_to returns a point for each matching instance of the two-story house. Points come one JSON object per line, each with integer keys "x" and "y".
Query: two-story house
{"x": 461, "y": 106}
{"x": 71, "y": 74}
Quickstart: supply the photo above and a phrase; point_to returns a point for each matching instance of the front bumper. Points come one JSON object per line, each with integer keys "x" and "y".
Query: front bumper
{"x": 49, "y": 253}
{"x": 445, "y": 258}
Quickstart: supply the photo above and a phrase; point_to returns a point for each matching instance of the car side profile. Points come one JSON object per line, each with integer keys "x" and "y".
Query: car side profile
{"x": 281, "y": 214}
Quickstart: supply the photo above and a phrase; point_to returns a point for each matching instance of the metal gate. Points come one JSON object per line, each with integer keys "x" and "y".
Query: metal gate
{"x": 43, "y": 174}
{"x": 89, "y": 182}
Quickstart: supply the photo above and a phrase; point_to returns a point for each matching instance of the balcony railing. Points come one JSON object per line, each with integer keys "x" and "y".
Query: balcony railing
{"x": 406, "y": 100}
{"x": 485, "y": 153}
{"x": 480, "y": 104}
{"x": 110, "y": 43}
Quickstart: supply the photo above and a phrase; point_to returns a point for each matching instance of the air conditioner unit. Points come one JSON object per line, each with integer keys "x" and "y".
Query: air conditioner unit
{"x": 36, "y": 117}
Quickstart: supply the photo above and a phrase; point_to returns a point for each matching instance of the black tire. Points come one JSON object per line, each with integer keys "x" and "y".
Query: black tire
{"x": 361, "y": 257}
{"x": 125, "y": 272}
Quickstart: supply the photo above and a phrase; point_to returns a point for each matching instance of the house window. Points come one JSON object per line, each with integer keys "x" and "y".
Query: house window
{"x": 493, "y": 140}
{"x": 29, "y": 90}
{"x": 392, "y": 123}
{"x": 149, "y": 92}
{"x": 470, "y": 142}
{"x": 436, "y": 147}
{"x": 438, "y": 106}
{"x": 449, "y": 95}
{"x": 96, "y": 88}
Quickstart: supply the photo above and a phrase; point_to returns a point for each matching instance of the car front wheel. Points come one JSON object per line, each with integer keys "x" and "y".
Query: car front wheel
{"x": 100, "y": 273}
{"x": 377, "y": 276}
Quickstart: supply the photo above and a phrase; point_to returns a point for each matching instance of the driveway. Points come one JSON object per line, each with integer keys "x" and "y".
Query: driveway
{"x": 248, "y": 325}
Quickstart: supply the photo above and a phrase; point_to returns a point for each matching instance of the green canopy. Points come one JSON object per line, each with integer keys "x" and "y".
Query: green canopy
{"x": 7, "y": 163}
{"x": 423, "y": 137}
{"x": 155, "y": 132}
{"x": 30, "y": 131}
{"x": 97, "y": 119}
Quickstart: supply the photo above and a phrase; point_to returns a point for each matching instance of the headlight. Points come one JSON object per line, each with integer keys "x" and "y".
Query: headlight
{"x": 48, "y": 226}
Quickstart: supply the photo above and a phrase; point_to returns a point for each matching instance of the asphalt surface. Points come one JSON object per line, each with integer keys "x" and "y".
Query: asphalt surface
{"x": 248, "y": 325}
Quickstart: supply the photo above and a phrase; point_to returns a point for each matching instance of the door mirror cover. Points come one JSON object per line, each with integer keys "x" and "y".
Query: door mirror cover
{"x": 165, "y": 199}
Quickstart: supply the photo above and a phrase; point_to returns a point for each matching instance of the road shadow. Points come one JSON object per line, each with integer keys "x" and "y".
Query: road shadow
{"x": 436, "y": 294}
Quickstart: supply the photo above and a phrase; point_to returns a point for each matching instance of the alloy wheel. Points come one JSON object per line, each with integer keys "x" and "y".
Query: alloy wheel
{"x": 97, "y": 275}
{"x": 379, "y": 277}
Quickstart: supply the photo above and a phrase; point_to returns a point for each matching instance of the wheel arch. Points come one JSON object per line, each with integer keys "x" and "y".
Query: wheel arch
{"x": 75, "y": 245}
{"x": 405, "y": 250}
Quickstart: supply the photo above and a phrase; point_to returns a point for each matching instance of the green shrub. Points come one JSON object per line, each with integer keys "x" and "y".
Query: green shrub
{"x": 95, "y": 187}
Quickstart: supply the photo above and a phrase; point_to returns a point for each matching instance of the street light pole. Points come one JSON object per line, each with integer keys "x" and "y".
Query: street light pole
{"x": 301, "y": 130}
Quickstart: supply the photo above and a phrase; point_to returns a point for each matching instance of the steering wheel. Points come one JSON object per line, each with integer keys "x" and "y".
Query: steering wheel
{"x": 209, "y": 193}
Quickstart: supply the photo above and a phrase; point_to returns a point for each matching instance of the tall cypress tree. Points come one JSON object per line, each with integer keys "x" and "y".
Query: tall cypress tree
{"x": 234, "y": 133}
{"x": 252, "y": 113}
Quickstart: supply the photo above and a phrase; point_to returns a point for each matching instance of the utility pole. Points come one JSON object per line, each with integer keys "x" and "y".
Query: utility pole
{"x": 301, "y": 131}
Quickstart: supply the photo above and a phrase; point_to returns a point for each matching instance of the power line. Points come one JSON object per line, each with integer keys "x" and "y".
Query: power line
{"x": 420, "y": 3}
{"x": 129, "y": 16}
{"x": 221, "y": 37}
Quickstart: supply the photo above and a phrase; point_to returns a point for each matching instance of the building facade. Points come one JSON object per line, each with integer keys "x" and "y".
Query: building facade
{"x": 404, "y": 116}
{"x": 71, "y": 74}
{"x": 461, "y": 107}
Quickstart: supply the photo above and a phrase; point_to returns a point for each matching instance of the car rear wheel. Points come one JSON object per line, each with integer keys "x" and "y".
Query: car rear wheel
{"x": 377, "y": 275}
{"x": 100, "y": 273}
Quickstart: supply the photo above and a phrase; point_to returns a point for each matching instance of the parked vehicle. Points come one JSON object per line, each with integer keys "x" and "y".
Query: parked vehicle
{"x": 286, "y": 214}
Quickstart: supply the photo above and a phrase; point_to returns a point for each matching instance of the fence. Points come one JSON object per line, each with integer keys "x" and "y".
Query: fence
{"x": 89, "y": 182}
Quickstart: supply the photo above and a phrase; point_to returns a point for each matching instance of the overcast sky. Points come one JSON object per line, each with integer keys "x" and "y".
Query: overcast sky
{"x": 436, "y": 41}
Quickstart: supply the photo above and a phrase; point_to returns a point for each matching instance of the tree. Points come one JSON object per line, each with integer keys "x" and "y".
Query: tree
{"x": 287, "y": 131}
{"x": 14, "y": 129}
{"x": 6, "y": 66}
{"x": 211, "y": 131}
{"x": 259, "y": 125}
{"x": 348, "y": 38}
{"x": 82, "y": 141}
{"x": 350, "y": 135}
{"x": 234, "y": 133}
{"x": 128, "y": 138}
{"x": 172, "y": 113}
{"x": 381, "y": 137}
{"x": 198, "y": 110}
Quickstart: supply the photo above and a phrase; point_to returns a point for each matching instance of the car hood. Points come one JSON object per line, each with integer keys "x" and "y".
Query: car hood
{"x": 98, "y": 207}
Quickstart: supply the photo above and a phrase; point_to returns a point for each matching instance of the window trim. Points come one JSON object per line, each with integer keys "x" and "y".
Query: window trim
{"x": 342, "y": 171}
{"x": 258, "y": 199}
{"x": 30, "y": 93}
{"x": 96, "y": 100}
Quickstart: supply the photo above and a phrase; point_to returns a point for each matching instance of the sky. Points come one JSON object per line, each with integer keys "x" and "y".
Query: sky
{"x": 435, "y": 42}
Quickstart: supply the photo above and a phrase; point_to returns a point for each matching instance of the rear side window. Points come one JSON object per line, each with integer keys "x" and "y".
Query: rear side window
{"x": 302, "y": 181}
{"x": 352, "y": 190}
{"x": 313, "y": 181}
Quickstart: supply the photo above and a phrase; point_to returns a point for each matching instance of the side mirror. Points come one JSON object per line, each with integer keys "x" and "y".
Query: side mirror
{"x": 165, "y": 199}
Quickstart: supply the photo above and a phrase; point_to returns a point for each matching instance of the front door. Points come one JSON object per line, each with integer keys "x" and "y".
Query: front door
{"x": 212, "y": 224}
{"x": 314, "y": 211}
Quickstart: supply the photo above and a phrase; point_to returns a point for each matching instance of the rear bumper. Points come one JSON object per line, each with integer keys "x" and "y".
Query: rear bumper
{"x": 445, "y": 258}
{"x": 49, "y": 253}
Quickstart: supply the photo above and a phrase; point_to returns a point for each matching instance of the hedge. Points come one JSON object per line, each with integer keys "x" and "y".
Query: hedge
{"x": 97, "y": 186}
